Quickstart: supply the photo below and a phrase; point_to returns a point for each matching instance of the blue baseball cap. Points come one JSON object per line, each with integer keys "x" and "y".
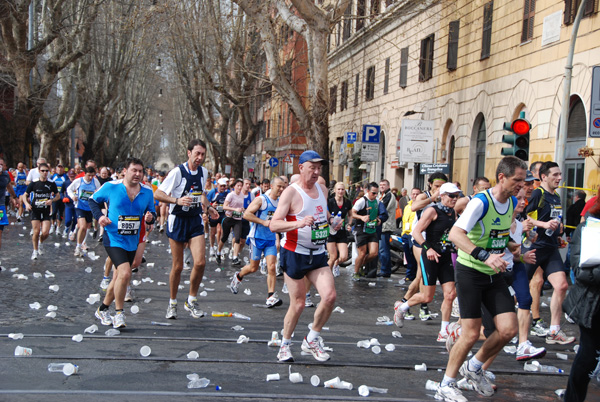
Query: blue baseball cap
{"x": 310, "y": 156}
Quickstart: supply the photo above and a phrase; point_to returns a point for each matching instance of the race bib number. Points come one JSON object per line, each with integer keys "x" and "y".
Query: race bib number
{"x": 371, "y": 227}
{"x": 59, "y": 188}
{"x": 21, "y": 182}
{"x": 128, "y": 225}
{"x": 237, "y": 215}
{"x": 219, "y": 208}
{"x": 498, "y": 241}
{"x": 196, "y": 199}
{"x": 270, "y": 215}
{"x": 319, "y": 233}
{"x": 555, "y": 211}
{"x": 86, "y": 195}
{"x": 3, "y": 216}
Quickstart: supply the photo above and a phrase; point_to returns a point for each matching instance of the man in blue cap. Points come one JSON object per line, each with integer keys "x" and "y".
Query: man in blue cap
{"x": 302, "y": 215}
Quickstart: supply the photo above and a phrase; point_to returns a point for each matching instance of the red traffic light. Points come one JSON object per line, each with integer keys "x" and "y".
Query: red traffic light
{"x": 520, "y": 127}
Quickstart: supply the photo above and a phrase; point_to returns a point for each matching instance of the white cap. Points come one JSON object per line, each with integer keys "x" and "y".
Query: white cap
{"x": 449, "y": 188}
{"x": 222, "y": 181}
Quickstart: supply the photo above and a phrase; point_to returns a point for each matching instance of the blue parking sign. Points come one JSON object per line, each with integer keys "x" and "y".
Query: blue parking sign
{"x": 371, "y": 133}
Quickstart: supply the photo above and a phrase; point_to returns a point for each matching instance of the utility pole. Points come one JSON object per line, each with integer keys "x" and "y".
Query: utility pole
{"x": 561, "y": 142}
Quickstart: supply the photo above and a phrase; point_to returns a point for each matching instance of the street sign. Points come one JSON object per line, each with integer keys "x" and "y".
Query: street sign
{"x": 594, "y": 128}
{"x": 371, "y": 133}
{"x": 350, "y": 138}
{"x": 369, "y": 152}
{"x": 416, "y": 140}
{"x": 273, "y": 162}
{"x": 434, "y": 168}
{"x": 287, "y": 159}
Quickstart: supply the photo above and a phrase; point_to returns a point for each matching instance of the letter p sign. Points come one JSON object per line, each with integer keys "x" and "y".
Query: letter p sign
{"x": 370, "y": 134}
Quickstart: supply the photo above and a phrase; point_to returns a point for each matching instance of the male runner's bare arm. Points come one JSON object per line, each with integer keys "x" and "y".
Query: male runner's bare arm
{"x": 278, "y": 222}
{"x": 249, "y": 213}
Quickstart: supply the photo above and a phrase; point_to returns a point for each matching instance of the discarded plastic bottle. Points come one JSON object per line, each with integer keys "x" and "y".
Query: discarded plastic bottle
{"x": 530, "y": 237}
{"x": 65, "y": 368}
{"x": 335, "y": 222}
{"x": 550, "y": 232}
{"x": 222, "y": 314}
{"x": 199, "y": 383}
{"x": 241, "y": 316}
{"x": 550, "y": 369}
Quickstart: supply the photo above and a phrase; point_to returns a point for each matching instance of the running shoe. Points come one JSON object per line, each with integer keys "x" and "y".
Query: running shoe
{"x": 424, "y": 314}
{"x": 263, "y": 267}
{"x": 453, "y": 334}
{"x": 218, "y": 258}
{"x": 100, "y": 238}
{"x": 455, "y": 309}
{"x": 19, "y": 218}
{"x": 274, "y": 301}
{"x": 72, "y": 236}
{"x": 336, "y": 271}
{"x": 442, "y": 338}
{"x": 409, "y": 316}
{"x": 539, "y": 329}
{"x": 65, "y": 234}
{"x": 104, "y": 317}
{"x": 211, "y": 251}
{"x": 560, "y": 337}
{"x": 161, "y": 228}
{"x": 234, "y": 286}
{"x": 398, "y": 314}
{"x": 236, "y": 261}
{"x": 316, "y": 349}
{"x": 128, "y": 295}
{"x": 526, "y": 351}
{"x": 308, "y": 302}
{"x": 52, "y": 229}
{"x": 490, "y": 376}
{"x": 95, "y": 234}
{"x": 285, "y": 354}
{"x": 450, "y": 393}
{"x": 479, "y": 381}
{"x": 278, "y": 270}
{"x": 171, "y": 311}
{"x": 355, "y": 277}
{"x": 193, "y": 308}
{"x": 119, "y": 320}
{"x": 34, "y": 255}
{"x": 104, "y": 284}
{"x": 78, "y": 252}
{"x": 40, "y": 249}
{"x": 284, "y": 289}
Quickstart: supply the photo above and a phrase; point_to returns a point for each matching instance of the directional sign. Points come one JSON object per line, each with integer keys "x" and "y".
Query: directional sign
{"x": 370, "y": 134}
{"x": 273, "y": 162}
{"x": 435, "y": 167}
{"x": 594, "y": 125}
{"x": 350, "y": 138}
{"x": 416, "y": 141}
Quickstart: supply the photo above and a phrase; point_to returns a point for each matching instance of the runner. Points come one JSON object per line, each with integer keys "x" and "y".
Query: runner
{"x": 216, "y": 197}
{"x": 546, "y": 211}
{"x": 5, "y": 185}
{"x": 34, "y": 174}
{"x": 436, "y": 264}
{"x": 248, "y": 198}
{"x": 184, "y": 190}
{"x": 365, "y": 211}
{"x": 70, "y": 215}
{"x": 58, "y": 207}
{"x": 20, "y": 187}
{"x": 128, "y": 203}
{"x": 262, "y": 241}
{"x": 38, "y": 198}
{"x": 481, "y": 235}
{"x": 234, "y": 209}
{"x": 80, "y": 191}
{"x": 337, "y": 244}
{"x": 302, "y": 215}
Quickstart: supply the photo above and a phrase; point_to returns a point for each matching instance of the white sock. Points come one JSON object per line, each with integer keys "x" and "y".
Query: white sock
{"x": 554, "y": 329}
{"x": 474, "y": 364}
{"x": 191, "y": 298}
{"x": 404, "y": 307}
{"x": 172, "y": 301}
{"x": 312, "y": 335}
{"x": 447, "y": 380}
{"x": 79, "y": 245}
{"x": 444, "y": 328}
{"x": 286, "y": 341}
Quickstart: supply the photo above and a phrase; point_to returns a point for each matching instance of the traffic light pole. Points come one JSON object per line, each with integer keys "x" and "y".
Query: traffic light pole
{"x": 561, "y": 142}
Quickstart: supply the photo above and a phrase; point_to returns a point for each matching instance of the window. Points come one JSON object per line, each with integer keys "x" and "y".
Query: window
{"x": 332, "y": 99}
{"x": 480, "y": 150}
{"x": 370, "y": 84}
{"x": 528, "y": 14}
{"x": 426, "y": 60}
{"x": 389, "y": 2}
{"x": 375, "y": 4}
{"x": 386, "y": 82}
{"x": 347, "y": 22}
{"x": 571, "y": 7}
{"x": 361, "y": 12}
{"x": 453, "y": 45}
{"x": 403, "y": 66}
{"x": 344, "y": 96}
{"x": 486, "y": 40}
{"x": 357, "y": 89}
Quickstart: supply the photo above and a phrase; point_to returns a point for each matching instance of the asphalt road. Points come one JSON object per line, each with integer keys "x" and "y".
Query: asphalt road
{"x": 112, "y": 367}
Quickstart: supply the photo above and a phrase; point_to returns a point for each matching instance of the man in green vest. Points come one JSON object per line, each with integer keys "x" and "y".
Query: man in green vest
{"x": 365, "y": 211}
{"x": 481, "y": 234}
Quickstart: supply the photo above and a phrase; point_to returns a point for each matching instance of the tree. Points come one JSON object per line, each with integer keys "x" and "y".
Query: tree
{"x": 313, "y": 23}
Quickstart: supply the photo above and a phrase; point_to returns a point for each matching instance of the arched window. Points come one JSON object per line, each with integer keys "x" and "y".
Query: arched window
{"x": 451, "y": 157}
{"x": 478, "y": 142}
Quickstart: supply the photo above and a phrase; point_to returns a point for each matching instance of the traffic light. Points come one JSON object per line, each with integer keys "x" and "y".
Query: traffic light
{"x": 519, "y": 139}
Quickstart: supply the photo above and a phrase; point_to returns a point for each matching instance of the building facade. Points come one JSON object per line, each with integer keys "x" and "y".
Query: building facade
{"x": 468, "y": 67}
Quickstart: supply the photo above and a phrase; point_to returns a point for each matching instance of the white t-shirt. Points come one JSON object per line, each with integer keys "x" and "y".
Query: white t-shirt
{"x": 516, "y": 237}
{"x": 474, "y": 210}
{"x": 174, "y": 184}
{"x": 33, "y": 175}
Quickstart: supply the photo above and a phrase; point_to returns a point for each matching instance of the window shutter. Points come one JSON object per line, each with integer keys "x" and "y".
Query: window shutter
{"x": 486, "y": 42}
{"x": 453, "y": 32}
{"x": 403, "y": 67}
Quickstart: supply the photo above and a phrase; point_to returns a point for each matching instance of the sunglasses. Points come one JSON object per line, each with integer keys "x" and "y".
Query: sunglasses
{"x": 453, "y": 195}
{"x": 44, "y": 171}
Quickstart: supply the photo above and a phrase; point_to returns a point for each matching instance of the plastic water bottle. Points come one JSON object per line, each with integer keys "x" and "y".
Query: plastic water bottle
{"x": 185, "y": 207}
{"x": 528, "y": 240}
{"x": 550, "y": 369}
{"x": 336, "y": 221}
{"x": 550, "y": 232}
{"x": 65, "y": 368}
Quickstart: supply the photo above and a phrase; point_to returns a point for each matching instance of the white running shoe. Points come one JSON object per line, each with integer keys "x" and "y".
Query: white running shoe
{"x": 104, "y": 317}
{"x": 40, "y": 249}
{"x": 285, "y": 354}
{"x": 34, "y": 256}
{"x": 398, "y": 314}
{"x": 274, "y": 301}
{"x": 477, "y": 379}
{"x": 450, "y": 393}
{"x": 308, "y": 302}
{"x": 128, "y": 295}
{"x": 52, "y": 229}
{"x": 234, "y": 286}
{"x": 78, "y": 252}
{"x": 316, "y": 349}
{"x": 104, "y": 284}
{"x": 119, "y": 320}
{"x": 171, "y": 311}
{"x": 284, "y": 289}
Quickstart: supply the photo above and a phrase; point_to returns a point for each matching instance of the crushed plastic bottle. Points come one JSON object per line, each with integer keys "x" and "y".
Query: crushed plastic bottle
{"x": 77, "y": 338}
{"x": 241, "y": 316}
{"x": 52, "y": 307}
{"x": 510, "y": 349}
{"x": 199, "y": 383}
{"x": 396, "y": 334}
{"x": 35, "y": 306}
{"x": 91, "y": 329}
{"x": 112, "y": 332}
{"x": 15, "y": 336}
{"x": 364, "y": 390}
{"x": 65, "y": 368}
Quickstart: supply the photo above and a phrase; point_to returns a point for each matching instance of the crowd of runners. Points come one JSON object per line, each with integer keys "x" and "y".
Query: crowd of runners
{"x": 490, "y": 252}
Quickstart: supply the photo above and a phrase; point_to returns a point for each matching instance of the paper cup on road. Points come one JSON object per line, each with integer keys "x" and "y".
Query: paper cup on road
{"x": 135, "y": 309}
{"x": 363, "y": 390}
{"x": 294, "y": 377}
{"x": 145, "y": 351}
{"x": 390, "y": 347}
{"x": 21, "y": 351}
{"x": 193, "y": 355}
{"x": 421, "y": 367}
{"x": 273, "y": 377}
{"x": 77, "y": 338}
{"x": 54, "y": 288}
{"x": 315, "y": 380}
{"x": 376, "y": 350}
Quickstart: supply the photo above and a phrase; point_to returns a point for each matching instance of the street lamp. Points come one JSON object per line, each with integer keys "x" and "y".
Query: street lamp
{"x": 411, "y": 112}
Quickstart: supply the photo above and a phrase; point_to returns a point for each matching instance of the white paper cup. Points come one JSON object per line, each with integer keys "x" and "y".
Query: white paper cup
{"x": 315, "y": 380}
{"x": 135, "y": 309}
{"x": 274, "y": 377}
{"x": 193, "y": 355}
{"x": 145, "y": 351}
{"x": 376, "y": 350}
{"x": 295, "y": 377}
{"x": 21, "y": 351}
